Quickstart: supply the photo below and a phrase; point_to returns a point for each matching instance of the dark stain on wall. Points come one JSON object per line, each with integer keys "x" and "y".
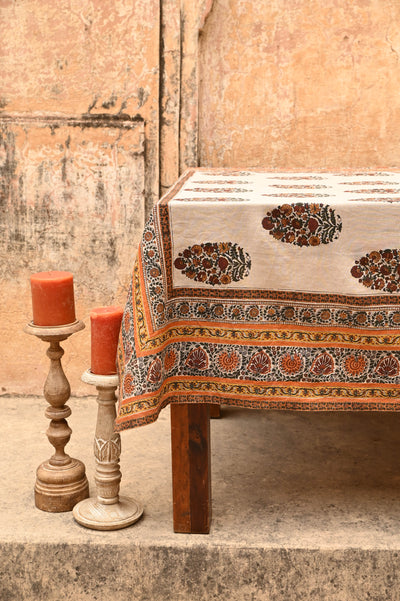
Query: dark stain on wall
{"x": 8, "y": 164}
{"x": 101, "y": 199}
{"x": 107, "y": 104}
{"x": 44, "y": 223}
{"x": 111, "y": 252}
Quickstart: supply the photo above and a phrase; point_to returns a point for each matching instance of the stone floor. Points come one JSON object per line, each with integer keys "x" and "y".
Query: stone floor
{"x": 306, "y": 506}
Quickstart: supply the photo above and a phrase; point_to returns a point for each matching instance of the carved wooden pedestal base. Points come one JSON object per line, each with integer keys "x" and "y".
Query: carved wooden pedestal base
{"x": 61, "y": 481}
{"x": 108, "y": 511}
{"x": 60, "y": 488}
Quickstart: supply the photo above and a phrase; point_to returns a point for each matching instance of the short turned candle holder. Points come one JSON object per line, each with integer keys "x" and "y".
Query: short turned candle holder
{"x": 108, "y": 511}
{"x": 61, "y": 480}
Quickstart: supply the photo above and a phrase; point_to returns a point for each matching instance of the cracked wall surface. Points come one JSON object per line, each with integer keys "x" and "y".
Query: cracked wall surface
{"x": 300, "y": 84}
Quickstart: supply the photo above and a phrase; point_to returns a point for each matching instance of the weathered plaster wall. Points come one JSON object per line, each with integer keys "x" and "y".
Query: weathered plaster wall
{"x": 181, "y": 21}
{"x": 78, "y": 162}
{"x": 289, "y": 83}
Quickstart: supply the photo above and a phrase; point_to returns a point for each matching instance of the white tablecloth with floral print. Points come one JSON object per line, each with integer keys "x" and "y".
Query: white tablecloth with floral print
{"x": 268, "y": 290}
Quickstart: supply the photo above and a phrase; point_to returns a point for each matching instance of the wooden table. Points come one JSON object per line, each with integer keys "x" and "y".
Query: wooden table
{"x": 263, "y": 290}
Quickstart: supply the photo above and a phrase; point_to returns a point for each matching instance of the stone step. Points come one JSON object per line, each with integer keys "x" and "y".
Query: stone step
{"x": 306, "y": 506}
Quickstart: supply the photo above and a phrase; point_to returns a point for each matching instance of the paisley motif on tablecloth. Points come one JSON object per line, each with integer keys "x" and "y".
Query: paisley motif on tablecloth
{"x": 215, "y": 263}
{"x": 323, "y": 364}
{"x": 197, "y": 359}
{"x": 155, "y": 371}
{"x": 260, "y": 363}
{"x": 303, "y": 224}
{"x": 388, "y": 367}
{"x": 379, "y": 270}
{"x": 171, "y": 358}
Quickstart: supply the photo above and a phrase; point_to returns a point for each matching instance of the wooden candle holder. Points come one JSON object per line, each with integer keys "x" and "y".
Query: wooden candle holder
{"x": 61, "y": 480}
{"x": 108, "y": 511}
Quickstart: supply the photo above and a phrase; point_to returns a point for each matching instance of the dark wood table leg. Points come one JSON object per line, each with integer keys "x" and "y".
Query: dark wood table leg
{"x": 191, "y": 477}
{"x": 215, "y": 410}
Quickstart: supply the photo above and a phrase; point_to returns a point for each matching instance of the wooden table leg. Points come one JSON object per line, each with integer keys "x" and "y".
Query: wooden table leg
{"x": 191, "y": 477}
{"x": 215, "y": 410}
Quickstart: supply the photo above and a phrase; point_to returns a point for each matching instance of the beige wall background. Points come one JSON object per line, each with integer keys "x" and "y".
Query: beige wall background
{"x": 104, "y": 103}
{"x": 294, "y": 83}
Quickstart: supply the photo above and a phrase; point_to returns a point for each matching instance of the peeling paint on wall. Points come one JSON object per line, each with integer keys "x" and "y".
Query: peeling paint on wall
{"x": 71, "y": 193}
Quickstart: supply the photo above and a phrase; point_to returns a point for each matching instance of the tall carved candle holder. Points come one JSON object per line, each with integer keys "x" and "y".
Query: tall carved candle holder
{"x": 108, "y": 511}
{"x": 61, "y": 481}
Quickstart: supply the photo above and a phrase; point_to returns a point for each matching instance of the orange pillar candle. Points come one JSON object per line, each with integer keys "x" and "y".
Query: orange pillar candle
{"x": 105, "y": 325}
{"x": 53, "y": 298}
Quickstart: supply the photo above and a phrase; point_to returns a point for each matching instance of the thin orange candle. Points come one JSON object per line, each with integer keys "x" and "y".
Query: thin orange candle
{"x": 53, "y": 301}
{"x": 105, "y": 325}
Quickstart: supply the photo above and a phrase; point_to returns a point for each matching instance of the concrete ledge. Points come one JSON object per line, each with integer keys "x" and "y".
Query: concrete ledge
{"x": 118, "y": 573}
{"x": 305, "y": 506}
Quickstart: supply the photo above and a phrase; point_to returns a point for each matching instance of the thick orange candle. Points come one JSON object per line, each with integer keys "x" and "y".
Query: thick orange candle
{"x": 105, "y": 326}
{"x": 53, "y": 298}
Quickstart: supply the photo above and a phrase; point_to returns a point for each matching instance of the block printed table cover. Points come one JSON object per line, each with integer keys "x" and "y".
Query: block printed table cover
{"x": 266, "y": 290}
